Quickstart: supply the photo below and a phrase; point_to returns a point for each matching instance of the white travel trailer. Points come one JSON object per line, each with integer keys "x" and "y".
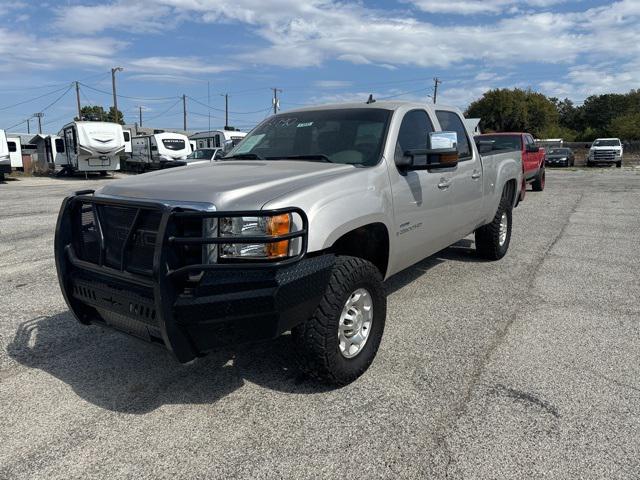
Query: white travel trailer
{"x": 157, "y": 151}
{"x": 225, "y": 139}
{"x": 89, "y": 147}
{"x": 5, "y": 159}
{"x": 15, "y": 152}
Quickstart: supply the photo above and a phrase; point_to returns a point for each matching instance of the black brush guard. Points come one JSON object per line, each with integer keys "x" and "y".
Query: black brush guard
{"x": 121, "y": 263}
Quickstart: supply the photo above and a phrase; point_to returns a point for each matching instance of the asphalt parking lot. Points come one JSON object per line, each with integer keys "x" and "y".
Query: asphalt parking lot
{"x": 524, "y": 368}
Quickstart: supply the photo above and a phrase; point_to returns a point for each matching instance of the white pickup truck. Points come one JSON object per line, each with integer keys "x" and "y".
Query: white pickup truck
{"x": 295, "y": 230}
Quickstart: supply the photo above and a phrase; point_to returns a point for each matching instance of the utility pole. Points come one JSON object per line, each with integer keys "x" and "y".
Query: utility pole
{"x": 115, "y": 97}
{"x": 28, "y": 125}
{"x": 437, "y": 82}
{"x": 184, "y": 112}
{"x": 275, "y": 101}
{"x": 140, "y": 111}
{"x": 39, "y": 116}
{"x": 78, "y": 100}
{"x": 226, "y": 109}
{"x": 209, "y": 104}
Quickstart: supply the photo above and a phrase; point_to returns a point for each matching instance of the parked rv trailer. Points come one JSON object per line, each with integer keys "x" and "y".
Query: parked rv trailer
{"x": 90, "y": 147}
{"x": 157, "y": 151}
{"x": 5, "y": 159}
{"x": 15, "y": 152}
{"x": 225, "y": 139}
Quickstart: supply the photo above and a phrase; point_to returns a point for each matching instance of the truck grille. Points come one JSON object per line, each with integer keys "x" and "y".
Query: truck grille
{"x": 128, "y": 236}
{"x": 604, "y": 155}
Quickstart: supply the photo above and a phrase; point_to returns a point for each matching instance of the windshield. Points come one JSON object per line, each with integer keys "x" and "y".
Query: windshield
{"x": 559, "y": 151}
{"x": 350, "y": 136}
{"x": 202, "y": 154}
{"x": 606, "y": 143}
{"x": 503, "y": 142}
{"x": 173, "y": 144}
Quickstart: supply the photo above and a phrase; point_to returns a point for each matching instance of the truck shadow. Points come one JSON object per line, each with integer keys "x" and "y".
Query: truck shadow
{"x": 120, "y": 373}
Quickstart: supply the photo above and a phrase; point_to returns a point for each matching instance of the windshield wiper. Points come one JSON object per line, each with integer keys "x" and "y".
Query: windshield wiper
{"x": 316, "y": 156}
{"x": 245, "y": 156}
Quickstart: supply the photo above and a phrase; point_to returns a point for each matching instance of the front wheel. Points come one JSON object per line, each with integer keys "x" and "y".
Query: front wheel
{"x": 538, "y": 183}
{"x": 619, "y": 164}
{"x": 339, "y": 342}
{"x": 492, "y": 240}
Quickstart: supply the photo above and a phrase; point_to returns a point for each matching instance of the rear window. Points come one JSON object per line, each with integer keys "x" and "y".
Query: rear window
{"x": 503, "y": 142}
{"x": 174, "y": 143}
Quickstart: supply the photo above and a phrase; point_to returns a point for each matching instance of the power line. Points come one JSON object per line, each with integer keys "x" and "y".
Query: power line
{"x": 126, "y": 96}
{"x": 57, "y": 99}
{"x": 222, "y": 110}
{"x": 404, "y": 93}
{"x": 166, "y": 111}
{"x": 33, "y": 99}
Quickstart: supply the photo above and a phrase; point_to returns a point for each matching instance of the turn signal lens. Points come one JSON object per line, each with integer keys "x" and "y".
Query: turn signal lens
{"x": 278, "y": 225}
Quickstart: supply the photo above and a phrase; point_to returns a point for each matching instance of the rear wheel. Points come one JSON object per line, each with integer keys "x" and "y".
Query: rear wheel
{"x": 538, "y": 183}
{"x": 339, "y": 342}
{"x": 492, "y": 240}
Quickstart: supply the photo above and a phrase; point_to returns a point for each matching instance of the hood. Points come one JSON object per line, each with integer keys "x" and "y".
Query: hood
{"x": 229, "y": 185}
{"x": 611, "y": 147}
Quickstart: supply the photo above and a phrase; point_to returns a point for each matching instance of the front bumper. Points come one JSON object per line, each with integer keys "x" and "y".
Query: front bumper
{"x": 557, "y": 161}
{"x": 191, "y": 309}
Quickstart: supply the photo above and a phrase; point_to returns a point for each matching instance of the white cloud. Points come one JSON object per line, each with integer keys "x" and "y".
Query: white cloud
{"x": 177, "y": 65}
{"x": 474, "y": 7}
{"x": 331, "y": 83}
{"x": 20, "y": 51}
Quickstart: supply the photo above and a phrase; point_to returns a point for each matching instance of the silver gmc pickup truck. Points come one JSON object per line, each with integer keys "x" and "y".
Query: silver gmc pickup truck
{"x": 296, "y": 229}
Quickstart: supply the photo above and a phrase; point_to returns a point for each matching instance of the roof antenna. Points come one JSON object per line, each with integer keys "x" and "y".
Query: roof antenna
{"x": 371, "y": 99}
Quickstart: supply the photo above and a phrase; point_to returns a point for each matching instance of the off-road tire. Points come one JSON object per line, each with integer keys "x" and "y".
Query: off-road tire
{"x": 488, "y": 236}
{"x": 618, "y": 164}
{"x": 316, "y": 340}
{"x": 538, "y": 183}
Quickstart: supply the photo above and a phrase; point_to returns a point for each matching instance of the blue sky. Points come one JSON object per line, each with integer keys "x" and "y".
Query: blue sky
{"x": 315, "y": 51}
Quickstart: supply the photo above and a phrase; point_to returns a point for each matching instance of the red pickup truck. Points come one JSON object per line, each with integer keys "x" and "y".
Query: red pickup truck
{"x": 533, "y": 156}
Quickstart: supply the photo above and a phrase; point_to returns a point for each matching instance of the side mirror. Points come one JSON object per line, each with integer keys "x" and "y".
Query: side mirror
{"x": 442, "y": 153}
{"x": 532, "y": 149}
{"x": 484, "y": 146}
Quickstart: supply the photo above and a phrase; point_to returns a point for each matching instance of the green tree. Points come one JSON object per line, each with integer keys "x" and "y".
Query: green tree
{"x": 92, "y": 112}
{"x": 98, "y": 114}
{"x": 517, "y": 110}
{"x": 626, "y": 127}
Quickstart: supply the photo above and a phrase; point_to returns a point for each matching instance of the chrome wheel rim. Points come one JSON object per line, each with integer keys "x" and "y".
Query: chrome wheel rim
{"x": 504, "y": 226}
{"x": 355, "y": 323}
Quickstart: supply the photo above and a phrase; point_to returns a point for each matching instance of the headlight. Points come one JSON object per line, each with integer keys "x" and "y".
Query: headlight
{"x": 619, "y": 153}
{"x": 563, "y": 159}
{"x": 247, "y": 227}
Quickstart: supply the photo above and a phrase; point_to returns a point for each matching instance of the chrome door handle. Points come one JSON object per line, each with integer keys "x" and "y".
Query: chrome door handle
{"x": 476, "y": 175}
{"x": 444, "y": 184}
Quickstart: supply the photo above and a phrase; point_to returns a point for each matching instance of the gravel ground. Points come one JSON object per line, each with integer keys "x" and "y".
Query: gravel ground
{"x": 523, "y": 368}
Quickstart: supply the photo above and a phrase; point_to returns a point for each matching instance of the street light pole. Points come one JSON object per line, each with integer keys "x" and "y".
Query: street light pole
{"x": 115, "y": 97}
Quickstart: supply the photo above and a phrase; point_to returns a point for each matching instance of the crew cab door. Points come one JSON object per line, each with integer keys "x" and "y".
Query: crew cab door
{"x": 467, "y": 178}
{"x": 421, "y": 198}
{"x": 530, "y": 159}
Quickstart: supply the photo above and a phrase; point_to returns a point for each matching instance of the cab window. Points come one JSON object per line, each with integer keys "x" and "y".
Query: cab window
{"x": 414, "y": 134}
{"x": 451, "y": 122}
